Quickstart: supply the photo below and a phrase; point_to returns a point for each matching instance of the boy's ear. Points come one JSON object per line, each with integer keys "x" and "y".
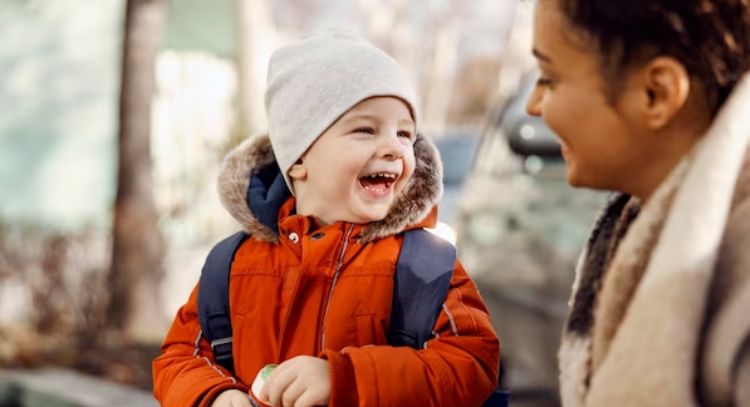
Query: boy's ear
{"x": 667, "y": 86}
{"x": 298, "y": 172}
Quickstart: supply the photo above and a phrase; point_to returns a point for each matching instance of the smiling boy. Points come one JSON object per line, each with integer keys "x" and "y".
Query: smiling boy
{"x": 311, "y": 289}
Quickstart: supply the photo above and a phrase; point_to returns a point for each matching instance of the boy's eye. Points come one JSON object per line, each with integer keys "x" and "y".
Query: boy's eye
{"x": 406, "y": 134}
{"x": 368, "y": 130}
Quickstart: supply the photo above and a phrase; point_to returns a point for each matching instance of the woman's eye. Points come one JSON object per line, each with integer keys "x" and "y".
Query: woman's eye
{"x": 368, "y": 130}
{"x": 544, "y": 82}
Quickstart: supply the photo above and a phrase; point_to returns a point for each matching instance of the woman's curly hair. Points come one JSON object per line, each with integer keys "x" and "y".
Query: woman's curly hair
{"x": 711, "y": 38}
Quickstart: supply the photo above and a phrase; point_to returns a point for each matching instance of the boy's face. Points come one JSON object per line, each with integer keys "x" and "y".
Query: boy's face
{"x": 355, "y": 170}
{"x": 602, "y": 142}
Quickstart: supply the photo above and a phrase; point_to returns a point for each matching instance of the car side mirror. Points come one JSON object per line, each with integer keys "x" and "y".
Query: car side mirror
{"x": 531, "y": 136}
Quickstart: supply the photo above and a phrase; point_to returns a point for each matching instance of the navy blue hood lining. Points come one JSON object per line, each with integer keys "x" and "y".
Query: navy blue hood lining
{"x": 266, "y": 193}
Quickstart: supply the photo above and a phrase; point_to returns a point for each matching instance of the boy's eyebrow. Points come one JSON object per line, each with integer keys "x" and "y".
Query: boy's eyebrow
{"x": 364, "y": 116}
{"x": 540, "y": 56}
{"x": 360, "y": 116}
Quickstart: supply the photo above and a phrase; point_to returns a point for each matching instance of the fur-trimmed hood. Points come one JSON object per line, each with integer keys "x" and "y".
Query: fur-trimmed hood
{"x": 659, "y": 312}
{"x": 252, "y": 189}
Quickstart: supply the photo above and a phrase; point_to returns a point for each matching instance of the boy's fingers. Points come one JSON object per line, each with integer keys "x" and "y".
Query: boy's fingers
{"x": 276, "y": 384}
{"x": 232, "y": 398}
{"x": 266, "y": 386}
{"x": 292, "y": 393}
{"x": 241, "y": 402}
{"x": 310, "y": 398}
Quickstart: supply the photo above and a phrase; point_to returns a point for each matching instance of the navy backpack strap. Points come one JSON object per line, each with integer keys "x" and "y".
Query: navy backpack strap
{"x": 500, "y": 398}
{"x": 213, "y": 298}
{"x": 423, "y": 276}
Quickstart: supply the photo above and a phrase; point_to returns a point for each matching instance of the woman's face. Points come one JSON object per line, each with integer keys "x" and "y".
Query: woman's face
{"x": 603, "y": 144}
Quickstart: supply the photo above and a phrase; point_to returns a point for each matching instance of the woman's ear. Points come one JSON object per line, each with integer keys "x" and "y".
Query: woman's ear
{"x": 666, "y": 83}
{"x": 298, "y": 172}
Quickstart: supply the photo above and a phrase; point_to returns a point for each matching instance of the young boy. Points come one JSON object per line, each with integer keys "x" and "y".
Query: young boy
{"x": 311, "y": 289}
{"x": 650, "y": 98}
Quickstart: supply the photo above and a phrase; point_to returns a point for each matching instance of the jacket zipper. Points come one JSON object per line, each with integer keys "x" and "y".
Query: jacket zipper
{"x": 333, "y": 285}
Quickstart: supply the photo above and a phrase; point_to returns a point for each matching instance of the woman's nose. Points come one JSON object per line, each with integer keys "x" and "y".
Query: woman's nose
{"x": 534, "y": 103}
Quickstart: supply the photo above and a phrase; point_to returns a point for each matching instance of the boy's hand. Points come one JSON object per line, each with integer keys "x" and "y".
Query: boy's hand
{"x": 232, "y": 398}
{"x": 303, "y": 381}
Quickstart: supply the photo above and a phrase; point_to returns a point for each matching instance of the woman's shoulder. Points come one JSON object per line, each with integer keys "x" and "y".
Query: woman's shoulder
{"x": 726, "y": 359}
{"x": 735, "y": 251}
{"x": 733, "y": 262}
{"x": 726, "y": 353}
{"x": 742, "y": 188}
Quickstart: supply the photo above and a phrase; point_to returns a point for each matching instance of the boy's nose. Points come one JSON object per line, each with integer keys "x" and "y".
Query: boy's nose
{"x": 391, "y": 147}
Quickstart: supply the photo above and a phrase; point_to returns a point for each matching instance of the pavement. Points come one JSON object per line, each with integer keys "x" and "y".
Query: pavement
{"x": 54, "y": 387}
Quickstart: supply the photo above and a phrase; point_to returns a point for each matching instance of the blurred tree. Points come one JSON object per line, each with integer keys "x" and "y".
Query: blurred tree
{"x": 517, "y": 60}
{"x": 445, "y": 26}
{"x": 475, "y": 84}
{"x": 255, "y": 30}
{"x": 138, "y": 246}
{"x": 425, "y": 39}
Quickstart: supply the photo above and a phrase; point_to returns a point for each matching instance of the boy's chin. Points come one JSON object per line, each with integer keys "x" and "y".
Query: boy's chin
{"x": 369, "y": 215}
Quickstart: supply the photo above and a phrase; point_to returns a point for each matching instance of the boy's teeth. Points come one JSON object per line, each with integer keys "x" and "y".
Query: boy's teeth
{"x": 382, "y": 175}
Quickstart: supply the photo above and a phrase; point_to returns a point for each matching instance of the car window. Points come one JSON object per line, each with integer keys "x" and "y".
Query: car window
{"x": 457, "y": 155}
{"x": 494, "y": 158}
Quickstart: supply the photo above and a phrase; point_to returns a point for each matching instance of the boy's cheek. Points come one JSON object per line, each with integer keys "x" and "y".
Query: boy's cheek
{"x": 409, "y": 168}
{"x": 410, "y": 160}
{"x": 403, "y": 182}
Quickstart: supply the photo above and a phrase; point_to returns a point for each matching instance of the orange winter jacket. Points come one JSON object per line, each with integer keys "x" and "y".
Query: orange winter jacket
{"x": 300, "y": 289}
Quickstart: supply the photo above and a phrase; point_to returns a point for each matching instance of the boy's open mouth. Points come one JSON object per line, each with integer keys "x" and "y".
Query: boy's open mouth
{"x": 378, "y": 183}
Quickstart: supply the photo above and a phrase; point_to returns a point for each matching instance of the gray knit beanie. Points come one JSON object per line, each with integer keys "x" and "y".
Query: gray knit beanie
{"x": 313, "y": 82}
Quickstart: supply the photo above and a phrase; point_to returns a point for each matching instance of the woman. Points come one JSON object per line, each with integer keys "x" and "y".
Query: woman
{"x": 648, "y": 99}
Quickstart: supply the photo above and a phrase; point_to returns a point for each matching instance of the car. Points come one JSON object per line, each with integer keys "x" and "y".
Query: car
{"x": 520, "y": 230}
{"x": 457, "y": 148}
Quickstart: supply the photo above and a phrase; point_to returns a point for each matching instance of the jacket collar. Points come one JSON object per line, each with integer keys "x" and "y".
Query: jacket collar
{"x": 252, "y": 189}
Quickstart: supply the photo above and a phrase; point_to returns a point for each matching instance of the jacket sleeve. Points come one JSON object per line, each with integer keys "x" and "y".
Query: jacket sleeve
{"x": 458, "y": 367}
{"x": 186, "y": 373}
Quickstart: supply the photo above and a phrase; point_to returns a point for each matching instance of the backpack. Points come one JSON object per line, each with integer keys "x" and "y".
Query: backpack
{"x": 422, "y": 279}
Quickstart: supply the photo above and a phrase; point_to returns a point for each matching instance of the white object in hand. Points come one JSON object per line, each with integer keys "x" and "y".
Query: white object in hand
{"x": 260, "y": 380}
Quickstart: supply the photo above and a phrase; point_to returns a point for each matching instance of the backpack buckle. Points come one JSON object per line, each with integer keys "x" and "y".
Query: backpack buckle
{"x": 219, "y": 342}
